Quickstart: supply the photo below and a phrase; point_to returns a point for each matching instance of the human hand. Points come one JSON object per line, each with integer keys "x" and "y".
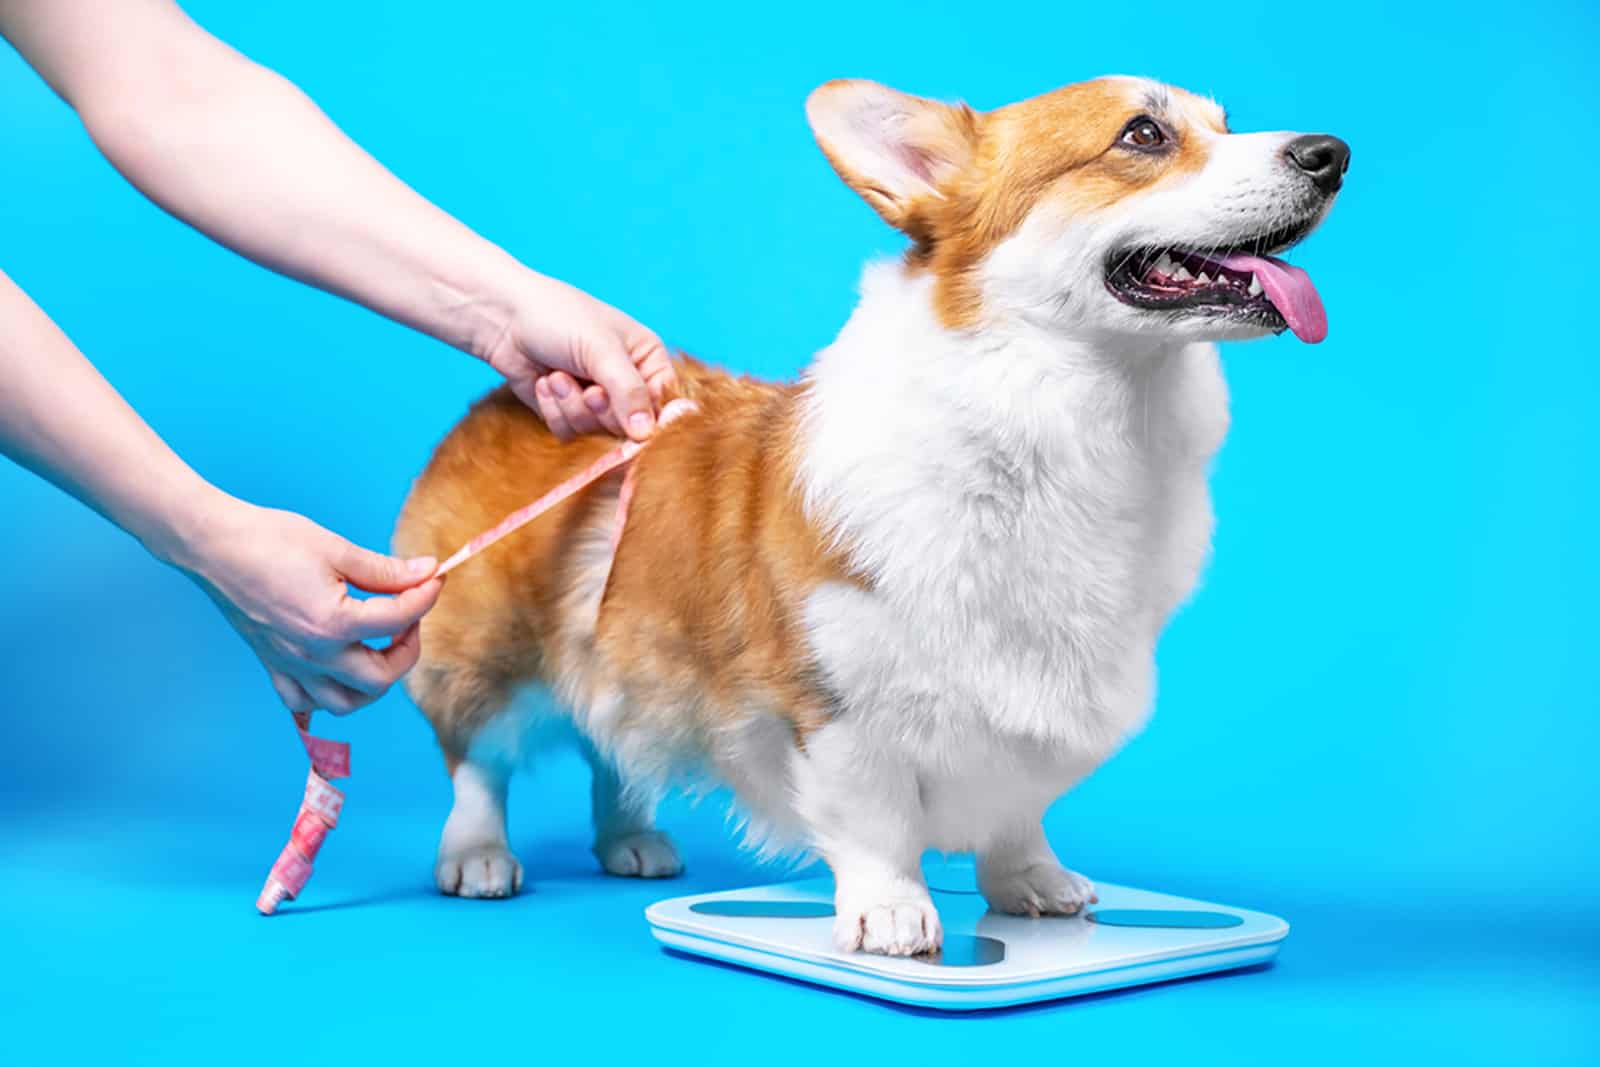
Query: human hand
{"x": 581, "y": 364}
{"x": 284, "y": 583}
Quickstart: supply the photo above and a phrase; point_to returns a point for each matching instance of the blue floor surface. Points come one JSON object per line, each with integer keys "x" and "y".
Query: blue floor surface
{"x": 133, "y": 940}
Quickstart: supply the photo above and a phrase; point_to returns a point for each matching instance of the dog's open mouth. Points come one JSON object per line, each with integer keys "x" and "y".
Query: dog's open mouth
{"x": 1241, "y": 285}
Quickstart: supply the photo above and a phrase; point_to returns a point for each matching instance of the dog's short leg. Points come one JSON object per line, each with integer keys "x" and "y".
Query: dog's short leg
{"x": 1020, "y": 875}
{"x": 474, "y": 860}
{"x": 864, "y": 820}
{"x": 626, "y": 841}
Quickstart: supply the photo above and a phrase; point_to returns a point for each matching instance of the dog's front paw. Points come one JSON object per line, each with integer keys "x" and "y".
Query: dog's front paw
{"x": 907, "y": 927}
{"x": 485, "y": 870}
{"x": 643, "y": 854}
{"x": 1043, "y": 889}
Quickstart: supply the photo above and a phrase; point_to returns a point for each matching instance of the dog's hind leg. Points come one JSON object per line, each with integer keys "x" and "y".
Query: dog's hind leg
{"x": 626, "y": 841}
{"x": 474, "y": 857}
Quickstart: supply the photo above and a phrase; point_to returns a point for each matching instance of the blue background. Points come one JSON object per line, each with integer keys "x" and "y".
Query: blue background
{"x": 1377, "y": 719}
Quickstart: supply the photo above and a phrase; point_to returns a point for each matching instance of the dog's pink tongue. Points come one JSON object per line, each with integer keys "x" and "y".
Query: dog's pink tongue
{"x": 1291, "y": 292}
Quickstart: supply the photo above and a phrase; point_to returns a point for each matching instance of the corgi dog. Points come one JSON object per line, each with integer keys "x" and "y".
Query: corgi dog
{"x": 910, "y": 599}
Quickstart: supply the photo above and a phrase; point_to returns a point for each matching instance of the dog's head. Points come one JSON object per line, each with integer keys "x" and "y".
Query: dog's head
{"x": 1117, "y": 206}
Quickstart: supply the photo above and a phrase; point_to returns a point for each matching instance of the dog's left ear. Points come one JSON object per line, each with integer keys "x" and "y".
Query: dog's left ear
{"x": 894, "y": 149}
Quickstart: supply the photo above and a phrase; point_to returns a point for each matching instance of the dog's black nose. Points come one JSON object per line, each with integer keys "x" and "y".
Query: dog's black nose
{"x": 1323, "y": 158}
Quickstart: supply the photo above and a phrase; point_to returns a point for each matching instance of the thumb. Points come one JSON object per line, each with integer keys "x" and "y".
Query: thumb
{"x": 611, "y": 367}
{"x": 377, "y": 573}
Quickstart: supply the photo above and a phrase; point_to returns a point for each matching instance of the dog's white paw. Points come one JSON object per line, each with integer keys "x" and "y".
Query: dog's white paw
{"x": 906, "y": 927}
{"x": 488, "y": 870}
{"x": 1043, "y": 889}
{"x": 643, "y": 854}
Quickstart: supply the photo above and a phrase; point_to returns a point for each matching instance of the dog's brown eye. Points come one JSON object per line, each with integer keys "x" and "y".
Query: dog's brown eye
{"x": 1143, "y": 133}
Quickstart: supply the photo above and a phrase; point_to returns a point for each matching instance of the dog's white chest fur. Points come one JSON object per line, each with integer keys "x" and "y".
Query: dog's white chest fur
{"x": 1029, "y": 513}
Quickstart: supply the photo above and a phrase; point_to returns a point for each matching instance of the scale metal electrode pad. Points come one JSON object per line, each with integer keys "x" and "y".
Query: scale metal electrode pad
{"x": 989, "y": 960}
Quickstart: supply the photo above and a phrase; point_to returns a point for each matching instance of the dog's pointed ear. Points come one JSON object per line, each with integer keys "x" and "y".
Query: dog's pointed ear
{"x": 896, "y": 150}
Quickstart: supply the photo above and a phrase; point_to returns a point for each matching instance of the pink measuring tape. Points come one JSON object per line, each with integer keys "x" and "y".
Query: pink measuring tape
{"x": 319, "y": 813}
{"x": 321, "y": 803}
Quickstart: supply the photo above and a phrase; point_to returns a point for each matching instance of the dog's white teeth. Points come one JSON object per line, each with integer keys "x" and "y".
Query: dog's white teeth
{"x": 1255, "y": 286}
{"x": 1165, "y": 265}
{"x": 1203, "y": 279}
{"x": 1182, "y": 275}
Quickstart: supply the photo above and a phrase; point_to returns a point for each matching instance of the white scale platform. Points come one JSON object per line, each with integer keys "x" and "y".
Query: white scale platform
{"x": 1131, "y": 937}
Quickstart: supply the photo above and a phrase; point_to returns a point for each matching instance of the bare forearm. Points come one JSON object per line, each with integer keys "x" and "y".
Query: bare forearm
{"x": 61, "y": 419}
{"x": 246, "y": 158}
{"x": 279, "y": 579}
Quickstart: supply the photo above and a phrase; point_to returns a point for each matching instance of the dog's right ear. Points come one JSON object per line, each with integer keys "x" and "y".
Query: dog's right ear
{"x": 896, "y": 150}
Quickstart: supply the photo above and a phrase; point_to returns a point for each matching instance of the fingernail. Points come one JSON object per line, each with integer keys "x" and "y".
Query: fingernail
{"x": 640, "y": 423}
{"x": 562, "y": 387}
{"x": 423, "y": 565}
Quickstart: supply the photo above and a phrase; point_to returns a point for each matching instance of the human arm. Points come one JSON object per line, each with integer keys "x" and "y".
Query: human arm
{"x": 278, "y": 578}
{"x": 245, "y": 157}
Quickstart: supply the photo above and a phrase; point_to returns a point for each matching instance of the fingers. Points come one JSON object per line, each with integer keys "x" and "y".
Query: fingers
{"x": 388, "y": 616}
{"x": 336, "y": 697}
{"x": 532, "y": 393}
{"x": 315, "y": 691}
{"x": 655, "y": 366}
{"x": 567, "y": 408}
{"x": 377, "y": 573}
{"x": 404, "y": 652}
{"x": 291, "y": 692}
{"x": 372, "y": 670}
{"x": 599, "y": 408}
{"x": 574, "y": 401}
{"x": 613, "y": 369}
{"x": 300, "y": 619}
{"x": 356, "y": 676}
{"x": 544, "y": 401}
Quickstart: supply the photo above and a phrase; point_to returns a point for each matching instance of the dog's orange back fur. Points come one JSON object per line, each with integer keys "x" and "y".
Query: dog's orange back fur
{"x": 700, "y": 609}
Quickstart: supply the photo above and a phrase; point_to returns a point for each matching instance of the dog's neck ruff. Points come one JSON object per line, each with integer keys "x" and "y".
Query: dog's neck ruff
{"x": 1035, "y": 500}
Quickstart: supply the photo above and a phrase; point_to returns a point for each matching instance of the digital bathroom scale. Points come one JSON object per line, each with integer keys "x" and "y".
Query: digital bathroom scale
{"x": 1131, "y": 937}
